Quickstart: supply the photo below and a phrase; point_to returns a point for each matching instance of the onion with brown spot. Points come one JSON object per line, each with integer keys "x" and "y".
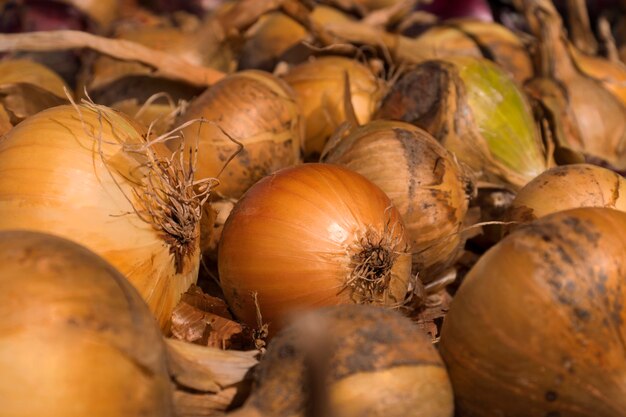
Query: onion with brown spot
{"x": 568, "y": 187}
{"x": 422, "y": 179}
{"x": 538, "y": 326}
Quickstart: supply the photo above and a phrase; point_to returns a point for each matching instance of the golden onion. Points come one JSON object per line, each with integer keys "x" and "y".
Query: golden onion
{"x": 87, "y": 173}
{"x": 75, "y": 338}
{"x": 308, "y": 236}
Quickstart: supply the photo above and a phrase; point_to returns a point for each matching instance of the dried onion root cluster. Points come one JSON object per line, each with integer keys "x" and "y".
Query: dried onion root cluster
{"x": 88, "y": 173}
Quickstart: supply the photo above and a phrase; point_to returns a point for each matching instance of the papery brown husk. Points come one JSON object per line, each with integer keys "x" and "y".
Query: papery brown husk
{"x": 495, "y": 137}
{"x": 537, "y": 327}
{"x": 423, "y": 180}
{"x": 585, "y": 118}
{"x": 351, "y": 361}
{"x": 255, "y": 109}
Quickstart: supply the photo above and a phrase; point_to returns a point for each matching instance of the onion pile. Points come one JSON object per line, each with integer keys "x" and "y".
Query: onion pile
{"x": 537, "y": 327}
{"x": 87, "y": 173}
{"x": 320, "y": 88}
{"x": 422, "y": 179}
{"x": 310, "y": 236}
{"x": 250, "y": 108}
{"x": 351, "y": 361}
{"x": 75, "y": 338}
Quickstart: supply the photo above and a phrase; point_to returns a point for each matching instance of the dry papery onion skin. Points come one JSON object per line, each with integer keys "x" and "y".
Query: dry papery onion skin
{"x": 76, "y": 339}
{"x": 370, "y": 362}
{"x": 255, "y": 109}
{"x": 476, "y": 111}
{"x": 423, "y": 180}
{"x": 568, "y": 187}
{"x": 87, "y": 173}
{"x": 309, "y": 236}
{"x": 320, "y": 91}
{"x": 537, "y": 326}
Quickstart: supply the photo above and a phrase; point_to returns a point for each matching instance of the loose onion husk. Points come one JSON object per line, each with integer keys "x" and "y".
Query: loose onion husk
{"x": 76, "y": 338}
{"x": 423, "y": 180}
{"x": 351, "y": 361}
{"x": 537, "y": 327}
{"x": 255, "y": 109}
{"x": 320, "y": 91}
{"x": 87, "y": 173}
{"x": 309, "y": 236}
{"x": 568, "y": 187}
{"x": 476, "y": 111}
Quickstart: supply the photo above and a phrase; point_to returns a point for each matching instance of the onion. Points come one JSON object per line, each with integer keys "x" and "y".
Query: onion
{"x": 253, "y": 108}
{"x": 276, "y": 37}
{"x": 88, "y": 174}
{"x": 320, "y": 91}
{"x": 422, "y": 179}
{"x": 378, "y": 363}
{"x": 537, "y": 327}
{"x": 588, "y": 121}
{"x": 76, "y": 339}
{"x": 26, "y": 88}
{"x": 308, "y": 236}
{"x": 568, "y": 187}
{"x": 449, "y": 9}
{"x": 476, "y": 111}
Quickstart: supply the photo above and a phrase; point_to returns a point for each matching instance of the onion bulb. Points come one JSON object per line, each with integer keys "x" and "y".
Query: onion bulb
{"x": 320, "y": 90}
{"x": 352, "y": 361}
{"x": 422, "y": 179}
{"x": 255, "y": 109}
{"x": 87, "y": 173}
{"x": 309, "y": 236}
{"x": 75, "y": 338}
{"x": 537, "y": 327}
{"x": 476, "y": 111}
{"x": 27, "y": 87}
{"x": 568, "y": 187}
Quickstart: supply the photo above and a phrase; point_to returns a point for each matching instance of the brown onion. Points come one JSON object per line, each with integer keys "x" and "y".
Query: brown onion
{"x": 253, "y": 108}
{"x": 537, "y": 327}
{"x": 308, "y": 236}
{"x": 351, "y": 361}
{"x": 569, "y": 187}
{"x": 87, "y": 173}
{"x": 422, "y": 179}
{"x": 320, "y": 90}
{"x": 76, "y": 339}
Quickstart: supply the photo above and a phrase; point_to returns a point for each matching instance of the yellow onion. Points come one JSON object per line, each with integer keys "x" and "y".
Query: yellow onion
{"x": 255, "y": 109}
{"x": 537, "y": 327}
{"x": 351, "y": 361}
{"x": 568, "y": 187}
{"x": 87, "y": 173}
{"x": 611, "y": 74}
{"x": 75, "y": 338}
{"x": 422, "y": 179}
{"x": 320, "y": 91}
{"x": 27, "y": 87}
{"x": 476, "y": 111}
{"x": 469, "y": 37}
{"x": 309, "y": 236}
{"x": 588, "y": 122}
{"x": 277, "y": 37}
